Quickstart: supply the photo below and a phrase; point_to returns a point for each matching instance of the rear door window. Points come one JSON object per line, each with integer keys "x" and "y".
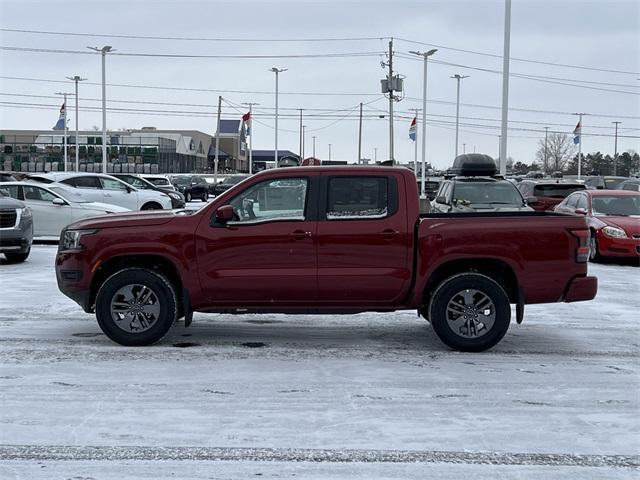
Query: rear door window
{"x": 83, "y": 182}
{"x": 112, "y": 184}
{"x": 360, "y": 197}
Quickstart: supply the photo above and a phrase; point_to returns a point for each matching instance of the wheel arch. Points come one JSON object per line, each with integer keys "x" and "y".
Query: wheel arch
{"x": 156, "y": 263}
{"x": 497, "y": 270}
{"x": 151, "y": 205}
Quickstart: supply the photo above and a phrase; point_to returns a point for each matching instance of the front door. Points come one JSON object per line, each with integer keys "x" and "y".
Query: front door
{"x": 266, "y": 256}
{"x": 48, "y": 218}
{"x": 364, "y": 241}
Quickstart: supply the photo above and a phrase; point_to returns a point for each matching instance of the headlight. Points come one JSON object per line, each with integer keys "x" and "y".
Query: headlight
{"x": 614, "y": 232}
{"x": 25, "y": 212}
{"x": 174, "y": 195}
{"x": 70, "y": 239}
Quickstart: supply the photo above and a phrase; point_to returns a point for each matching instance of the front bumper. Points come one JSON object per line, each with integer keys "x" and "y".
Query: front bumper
{"x": 618, "y": 247}
{"x": 16, "y": 240}
{"x": 581, "y": 289}
{"x": 73, "y": 277}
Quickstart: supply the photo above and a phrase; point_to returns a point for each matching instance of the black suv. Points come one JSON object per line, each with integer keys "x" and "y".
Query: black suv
{"x": 191, "y": 186}
{"x": 177, "y": 199}
{"x": 472, "y": 185}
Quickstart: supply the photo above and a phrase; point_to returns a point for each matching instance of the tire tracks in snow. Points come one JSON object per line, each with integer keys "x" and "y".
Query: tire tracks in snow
{"x": 128, "y": 453}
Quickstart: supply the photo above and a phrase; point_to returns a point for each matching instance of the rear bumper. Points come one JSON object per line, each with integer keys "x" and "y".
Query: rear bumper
{"x": 581, "y": 289}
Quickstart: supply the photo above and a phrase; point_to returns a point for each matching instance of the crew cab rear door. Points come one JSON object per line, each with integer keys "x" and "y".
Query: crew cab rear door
{"x": 266, "y": 256}
{"x": 364, "y": 240}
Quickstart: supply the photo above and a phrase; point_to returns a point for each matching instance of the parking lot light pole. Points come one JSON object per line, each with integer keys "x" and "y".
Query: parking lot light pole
{"x": 425, "y": 56}
{"x": 104, "y": 50}
{"x": 458, "y": 78}
{"x": 277, "y": 71}
{"x": 76, "y": 79}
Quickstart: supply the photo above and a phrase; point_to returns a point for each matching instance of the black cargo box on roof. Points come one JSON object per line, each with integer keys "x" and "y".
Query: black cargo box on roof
{"x": 473, "y": 165}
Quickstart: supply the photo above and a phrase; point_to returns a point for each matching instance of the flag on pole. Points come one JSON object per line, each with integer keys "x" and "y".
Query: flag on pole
{"x": 246, "y": 119}
{"x": 576, "y": 133}
{"x": 60, "y": 123}
{"x": 413, "y": 129}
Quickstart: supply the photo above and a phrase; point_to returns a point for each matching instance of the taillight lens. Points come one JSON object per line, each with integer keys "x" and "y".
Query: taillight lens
{"x": 582, "y": 252}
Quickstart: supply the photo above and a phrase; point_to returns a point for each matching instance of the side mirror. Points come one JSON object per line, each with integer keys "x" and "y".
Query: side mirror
{"x": 224, "y": 214}
{"x": 441, "y": 199}
{"x": 531, "y": 200}
{"x": 58, "y": 201}
{"x": 580, "y": 211}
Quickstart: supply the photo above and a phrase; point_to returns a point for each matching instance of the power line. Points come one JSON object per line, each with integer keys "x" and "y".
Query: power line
{"x": 527, "y": 60}
{"x": 184, "y": 55}
{"x": 193, "y": 39}
{"x": 356, "y": 94}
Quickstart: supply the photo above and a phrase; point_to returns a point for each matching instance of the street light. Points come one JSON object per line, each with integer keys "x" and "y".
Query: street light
{"x": 104, "y": 50}
{"x": 76, "y": 79}
{"x": 426, "y": 56}
{"x": 458, "y": 78}
{"x": 277, "y": 71}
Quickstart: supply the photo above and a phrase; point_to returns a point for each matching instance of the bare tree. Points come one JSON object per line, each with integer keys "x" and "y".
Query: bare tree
{"x": 559, "y": 150}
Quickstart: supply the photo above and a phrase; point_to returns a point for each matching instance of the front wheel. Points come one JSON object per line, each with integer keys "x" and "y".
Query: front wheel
{"x": 594, "y": 251}
{"x": 151, "y": 206}
{"x": 205, "y": 196}
{"x": 136, "y": 306}
{"x": 187, "y": 196}
{"x": 13, "y": 257}
{"x": 470, "y": 312}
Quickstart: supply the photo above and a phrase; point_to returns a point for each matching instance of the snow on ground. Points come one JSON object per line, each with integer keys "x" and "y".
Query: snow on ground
{"x": 360, "y": 396}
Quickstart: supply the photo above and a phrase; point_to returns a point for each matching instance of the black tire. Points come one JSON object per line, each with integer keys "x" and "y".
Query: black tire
{"x": 594, "y": 251}
{"x": 187, "y": 197}
{"x": 151, "y": 206}
{"x": 475, "y": 304}
{"x": 162, "y": 298}
{"x": 205, "y": 196}
{"x": 17, "y": 257}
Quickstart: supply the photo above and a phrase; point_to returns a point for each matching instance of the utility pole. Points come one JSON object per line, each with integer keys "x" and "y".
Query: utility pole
{"x": 505, "y": 86}
{"x": 304, "y": 128}
{"x": 426, "y": 56}
{"x": 458, "y": 78}
{"x": 216, "y": 158}
{"x": 464, "y": 148}
{"x": 314, "y": 146}
{"x": 66, "y": 157}
{"x": 360, "y": 136}
{"x": 251, "y": 104}
{"x": 277, "y": 71}
{"x": 76, "y": 79}
{"x": 615, "y": 154}
{"x": 329, "y": 152}
{"x": 375, "y": 154}
{"x": 391, "y": 89}
{"x": 104, "y": 50}
{"x": 546, "y": 158}
{"x": 300, "y": 135}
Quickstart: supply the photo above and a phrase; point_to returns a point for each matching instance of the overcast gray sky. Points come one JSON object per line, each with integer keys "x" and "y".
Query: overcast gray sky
{"x": 600, "y": 34}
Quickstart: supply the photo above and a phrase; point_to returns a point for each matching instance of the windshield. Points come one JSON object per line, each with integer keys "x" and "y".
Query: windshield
{"x": 484, "y": 192}
{"x": 556, "y": 190}
{"x": 623, "y": 205}
{"x": 69, "y": 195}
{"x": 233, "y": 180}
{"x": 182, "y": 180}
{"x": 159, "y": 181}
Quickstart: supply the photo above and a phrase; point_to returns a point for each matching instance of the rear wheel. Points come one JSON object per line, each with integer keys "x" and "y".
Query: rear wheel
{"x": 136, "y": 306}
{"x": 205, "y": 196}
{"x": 470, "y": 312}
{"x": 17, "y": 257}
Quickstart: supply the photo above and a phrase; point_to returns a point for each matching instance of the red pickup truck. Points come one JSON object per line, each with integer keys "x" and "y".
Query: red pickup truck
{"x": 335, "y": 240}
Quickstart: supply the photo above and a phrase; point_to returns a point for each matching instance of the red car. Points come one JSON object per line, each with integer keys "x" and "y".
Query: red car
{"x": 613, "y": 217}
{"x": 544, "y": 195}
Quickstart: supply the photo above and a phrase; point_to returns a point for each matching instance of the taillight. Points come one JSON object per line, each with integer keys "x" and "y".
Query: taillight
{"x": 582, "y": 252}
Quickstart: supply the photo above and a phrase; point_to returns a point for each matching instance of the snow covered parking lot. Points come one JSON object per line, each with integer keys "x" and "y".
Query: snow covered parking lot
{"x": 361, "y": 396}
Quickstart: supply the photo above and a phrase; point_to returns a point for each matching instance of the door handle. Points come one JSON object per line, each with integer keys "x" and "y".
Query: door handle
{"x": 389, "y": 233}
{"x": 300, "y": 235}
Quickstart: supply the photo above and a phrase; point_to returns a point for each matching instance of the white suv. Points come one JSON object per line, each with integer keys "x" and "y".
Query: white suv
{"x": 98, "y": 187}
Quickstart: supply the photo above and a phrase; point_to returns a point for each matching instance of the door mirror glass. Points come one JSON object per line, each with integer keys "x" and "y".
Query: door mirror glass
{"x": 441, "y": 199}
{"x": 580, "y": 211}
{"x": 58, "y": 201}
